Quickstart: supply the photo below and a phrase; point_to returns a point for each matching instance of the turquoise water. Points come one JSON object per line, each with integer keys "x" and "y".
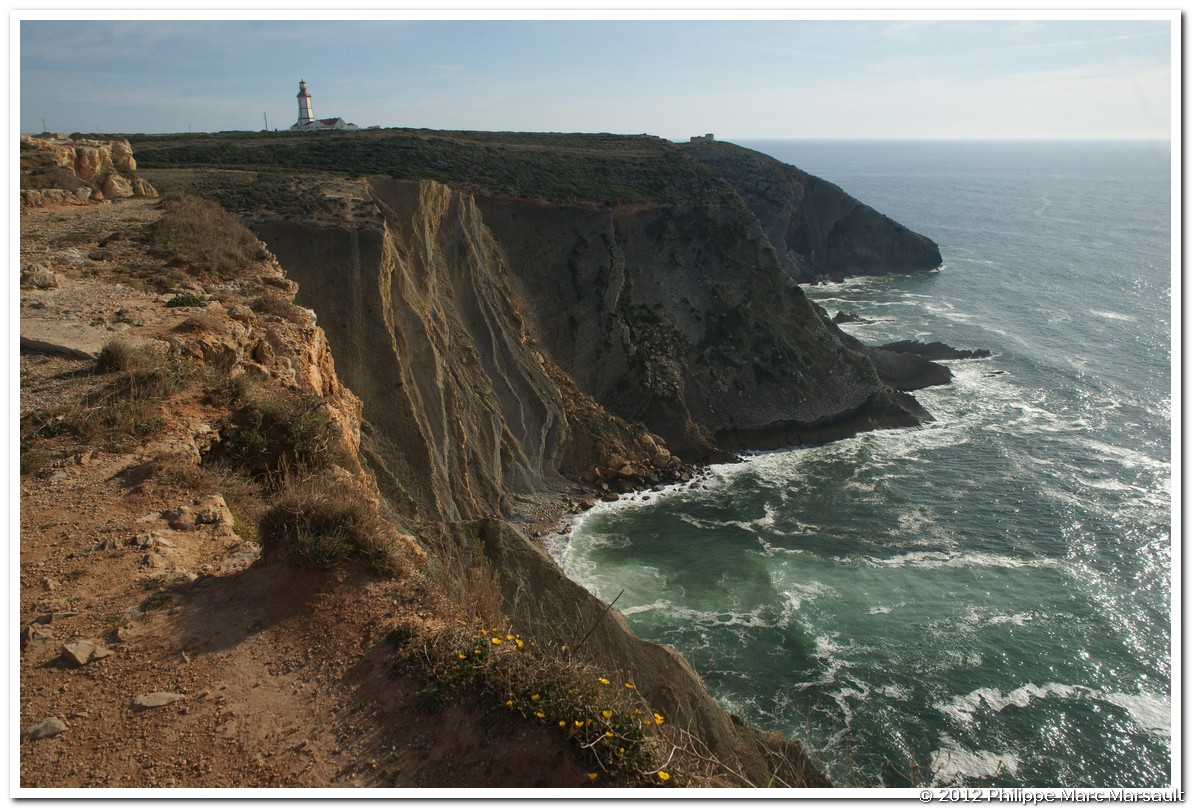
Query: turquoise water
{"x": 987, "y": 598}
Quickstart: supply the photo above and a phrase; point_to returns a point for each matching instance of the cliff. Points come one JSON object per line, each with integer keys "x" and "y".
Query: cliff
{"x": 529, "y": 320}
{"x": 818, "y": 230}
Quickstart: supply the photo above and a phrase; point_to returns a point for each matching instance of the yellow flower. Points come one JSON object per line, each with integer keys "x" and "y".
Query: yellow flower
{"x": 606, "y": 714}
{"x": 496, "y": 641}
{"x": 519, "y": 643}
{"x": 579, "y": 723}
{"x": 604, "y": 681}
{"x": 658, "y": 718}
{"x": 608, "y": 733}
{"x": 475, "y": 651}
{"x": 665, "y": 776}
{"x": 534, "y": 697}
{"x": 483, "y": 631}
{"x": 508, "y": 637}
{"x": 462, "y": 656}
{"x": 629, "y": 685}
{"x": 508, "y": 703}
{"x": 591, "y": 776}
{"x": 463, "y": 623}
{"x": 562, "y": 724}
{"x": 540, "y": 715}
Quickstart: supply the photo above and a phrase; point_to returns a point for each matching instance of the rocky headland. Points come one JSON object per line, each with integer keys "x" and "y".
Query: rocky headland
{"x": 488, "y": 330}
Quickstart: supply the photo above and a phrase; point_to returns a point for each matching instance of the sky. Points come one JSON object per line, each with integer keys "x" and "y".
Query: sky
{"x": 876, "y": 78}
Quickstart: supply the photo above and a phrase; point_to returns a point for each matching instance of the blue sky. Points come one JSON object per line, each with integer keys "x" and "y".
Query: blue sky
{"x": 674, "y": 78}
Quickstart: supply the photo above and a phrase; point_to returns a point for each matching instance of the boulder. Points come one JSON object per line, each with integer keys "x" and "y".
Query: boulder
{"x": 39, "y": 276}
{"x": 116, "y": 187}
{"x": 142, "y": 188}
{"x": 89, "y": 162}
{"x": 213, "y": 510}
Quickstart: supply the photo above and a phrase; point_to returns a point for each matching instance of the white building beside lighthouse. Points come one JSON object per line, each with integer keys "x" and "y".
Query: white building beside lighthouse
{"x": 306, "y": 115}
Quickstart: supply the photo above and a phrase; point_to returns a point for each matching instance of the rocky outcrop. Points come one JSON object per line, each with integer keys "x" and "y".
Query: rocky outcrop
{"x": 935, "y": 350}
{"x": 58, "y": 170}
{"x": 818, "y": 231}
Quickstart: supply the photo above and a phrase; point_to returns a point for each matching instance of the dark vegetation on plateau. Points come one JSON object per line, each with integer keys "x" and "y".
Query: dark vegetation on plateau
{"x": 592, "y": 168}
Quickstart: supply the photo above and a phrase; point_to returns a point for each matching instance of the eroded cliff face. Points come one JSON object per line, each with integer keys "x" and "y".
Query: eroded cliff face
{"x": 502, "y": 346}
{"x": 817, "y": 229}
{"x": 463, "y": 411}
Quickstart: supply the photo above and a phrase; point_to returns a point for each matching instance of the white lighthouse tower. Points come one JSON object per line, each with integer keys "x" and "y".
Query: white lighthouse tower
{"x": 305, "y": 116}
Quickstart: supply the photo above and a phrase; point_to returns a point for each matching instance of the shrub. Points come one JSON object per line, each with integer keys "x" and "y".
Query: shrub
{"x": 186, "y": 299}
{"x": 200, "y": 233}
{"x": 602, "y": 716}
{"x": 323, "y": 522}
{"x": 271, "y": 434}
{"x": 120, "y": 355}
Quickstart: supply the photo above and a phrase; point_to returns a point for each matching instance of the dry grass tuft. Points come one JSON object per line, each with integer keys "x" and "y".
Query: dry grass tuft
{"x": 323, "y": 522}
{"x": 204, "y": 236}
{"x": 273, "y": 303}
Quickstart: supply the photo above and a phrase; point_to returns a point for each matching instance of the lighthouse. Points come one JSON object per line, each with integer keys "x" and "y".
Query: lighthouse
{"x": 305, "y": 116}
{"x": 307, "y": 119}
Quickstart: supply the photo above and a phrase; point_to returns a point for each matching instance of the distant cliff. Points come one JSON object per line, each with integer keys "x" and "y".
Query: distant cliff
{"x": 817, "y": 229}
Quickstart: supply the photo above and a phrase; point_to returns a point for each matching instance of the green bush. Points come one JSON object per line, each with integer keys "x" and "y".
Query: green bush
{"x": 186, "y": 299}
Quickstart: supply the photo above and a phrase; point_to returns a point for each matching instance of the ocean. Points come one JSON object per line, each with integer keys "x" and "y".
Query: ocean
{"x": 986, "y": 600}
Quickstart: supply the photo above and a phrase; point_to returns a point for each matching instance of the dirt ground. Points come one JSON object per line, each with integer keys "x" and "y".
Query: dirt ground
{"x": 273, "y": 677}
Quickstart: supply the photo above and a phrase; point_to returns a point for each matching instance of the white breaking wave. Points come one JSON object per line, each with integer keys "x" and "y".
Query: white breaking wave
{"x": 931, "y": 560}
{"x": 953, "y": 763}
{"x": 1151, "y": 712}
{"x": 962, "y": 708}
{"x": 1112, "y": 315}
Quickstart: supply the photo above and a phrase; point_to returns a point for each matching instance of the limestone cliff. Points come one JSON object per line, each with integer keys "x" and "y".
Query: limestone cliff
{"x": 63, "y": 170}
{"x": 817, "y": 229}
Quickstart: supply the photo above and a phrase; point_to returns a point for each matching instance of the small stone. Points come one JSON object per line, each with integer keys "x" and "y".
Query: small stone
{"x": 36, "y": 632}
{"x": 82, "y": 652}
{"x": 158, "y": 699}
{"x": 44, "y": 730}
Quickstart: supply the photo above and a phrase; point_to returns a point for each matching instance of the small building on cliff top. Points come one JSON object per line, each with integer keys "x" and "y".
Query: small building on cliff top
{"x": 306, "y": 116}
